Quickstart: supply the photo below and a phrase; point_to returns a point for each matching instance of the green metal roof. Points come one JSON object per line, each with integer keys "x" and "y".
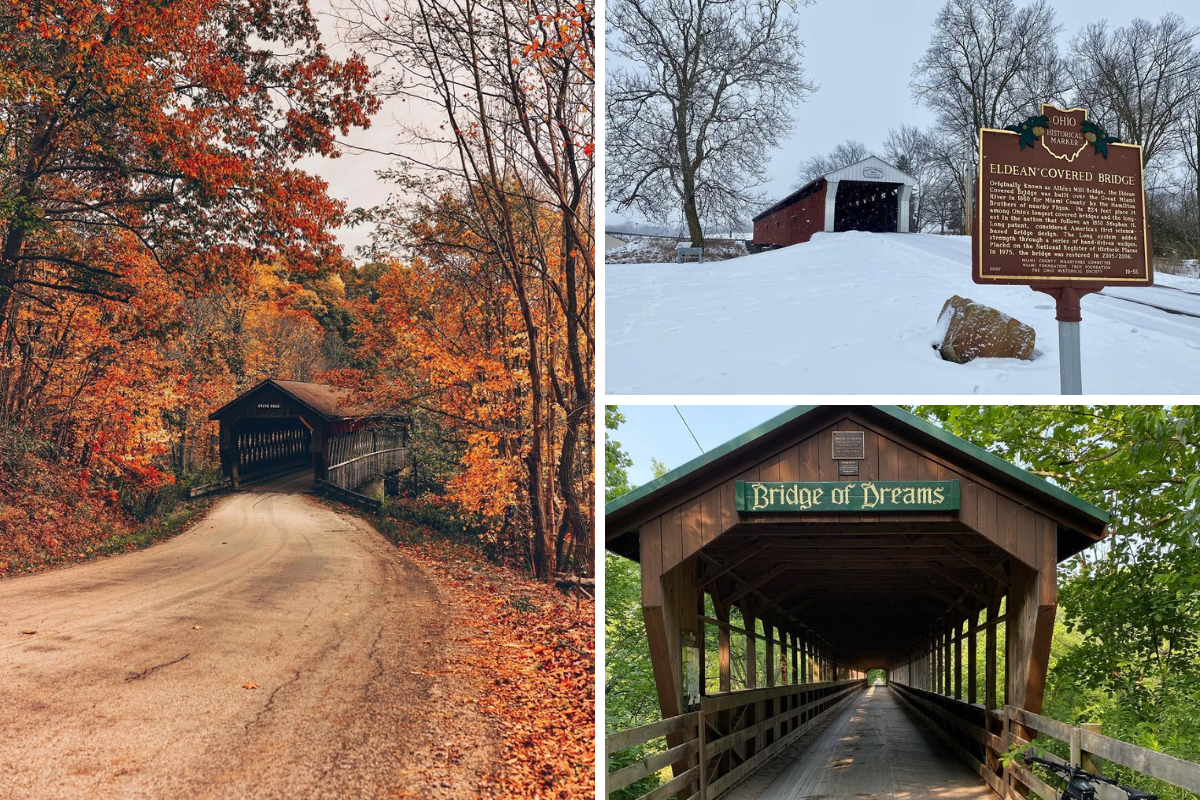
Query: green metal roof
{"x": 900, "y": 415}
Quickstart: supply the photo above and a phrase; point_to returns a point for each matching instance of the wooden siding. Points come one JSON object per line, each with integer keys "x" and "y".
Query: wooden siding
{"x": 1001, "y": 518}
{"x": 794, "y": 223}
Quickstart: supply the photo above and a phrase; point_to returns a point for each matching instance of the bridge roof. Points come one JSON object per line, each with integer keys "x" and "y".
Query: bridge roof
{"x": 1086, "y": 522}
{"x": 330, "y": 402}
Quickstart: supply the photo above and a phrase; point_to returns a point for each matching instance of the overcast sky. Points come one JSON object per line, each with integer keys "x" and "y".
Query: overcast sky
{"x": 861, "y": 55}
{"x": 353, "y": 177}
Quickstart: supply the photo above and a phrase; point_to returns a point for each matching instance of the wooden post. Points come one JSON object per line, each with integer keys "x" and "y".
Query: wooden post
{"x": 769, "y": 657}
{"x": 1029, "y": 627}
{"x": 722, "y": 613}
{"x": 795, "y": 659}
{"x": 703, "y": 642}
{"x": 989, "y": 656}
{"x": 947, "y": 663}
{"x": 750, "y": 746}
{"x": 724, "y": 684}
{"x": 958, "y": 661}
{"x": 972, "y": 647}
{"x": 1090, "y": 762}
{"x": 703, "y": 762}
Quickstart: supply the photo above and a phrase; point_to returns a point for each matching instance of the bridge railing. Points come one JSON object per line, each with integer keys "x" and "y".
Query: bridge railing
{"x": 727, "y": 739}
{"x": 970, "y": 730}
{"x": 364, "y": 455}
{"x": 980, "y": 737}
{"x": 681, "y": 729}
{"x": 1087, "y": 748}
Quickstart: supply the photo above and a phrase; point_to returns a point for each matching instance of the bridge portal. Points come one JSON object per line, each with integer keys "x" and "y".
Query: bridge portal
{"x": 280, "y": 426}
{"x": 781, "y": 567}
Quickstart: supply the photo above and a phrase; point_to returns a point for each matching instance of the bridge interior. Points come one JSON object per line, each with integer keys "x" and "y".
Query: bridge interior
{"x": 867, "y": 206}
{"x": 271, "y": 445}
{"x": 784, "y": 610}
{"x": 873, "y": 748}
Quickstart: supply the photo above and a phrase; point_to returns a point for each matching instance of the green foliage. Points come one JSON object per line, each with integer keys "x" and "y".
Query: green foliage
{"x": 1026, "y": 129}
{"x": 1127, "y": 654}
{"x": 616, "y": 460}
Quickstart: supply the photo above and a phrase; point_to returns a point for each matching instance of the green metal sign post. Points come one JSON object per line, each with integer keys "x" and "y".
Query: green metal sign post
{"x": 846, "y": 496}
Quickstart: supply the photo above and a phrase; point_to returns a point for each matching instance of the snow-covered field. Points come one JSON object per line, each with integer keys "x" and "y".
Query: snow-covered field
{"x": 855, "y": 313}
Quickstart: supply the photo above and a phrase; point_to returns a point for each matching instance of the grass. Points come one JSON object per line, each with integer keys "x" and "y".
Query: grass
{"x": 167, "y": 526}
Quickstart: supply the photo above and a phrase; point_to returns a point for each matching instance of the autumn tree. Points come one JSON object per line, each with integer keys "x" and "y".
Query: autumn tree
{"x": 162, "y": 135}
{"x": 514, "y": 84}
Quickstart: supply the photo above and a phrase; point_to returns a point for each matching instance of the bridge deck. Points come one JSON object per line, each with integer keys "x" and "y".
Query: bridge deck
{"x": 872, "y": 750}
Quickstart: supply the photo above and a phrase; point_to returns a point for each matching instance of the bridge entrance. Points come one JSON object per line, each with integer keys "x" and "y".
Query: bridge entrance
{"x": 831, "y": 541}
{"x": 283, "y": 426}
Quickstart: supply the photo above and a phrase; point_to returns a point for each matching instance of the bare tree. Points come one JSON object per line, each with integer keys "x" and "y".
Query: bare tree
{"x": 912, "y": 151}
{"x": 1139, "y": 81}
{"x": 709, "y": 93}
{"x": 847, "y": 153}
{"x": 989, "y": 64}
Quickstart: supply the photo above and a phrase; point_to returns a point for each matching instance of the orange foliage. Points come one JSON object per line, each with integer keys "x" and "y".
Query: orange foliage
{"x": 536, "y": 653}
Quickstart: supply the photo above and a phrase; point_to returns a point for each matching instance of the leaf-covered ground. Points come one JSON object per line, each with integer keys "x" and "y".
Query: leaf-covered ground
{"x": 529, "y": 651}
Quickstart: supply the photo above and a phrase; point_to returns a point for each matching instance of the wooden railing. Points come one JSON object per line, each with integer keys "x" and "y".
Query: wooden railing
{"x": 736, "y": 732}
{"x": 1087, "y": 747}
{"x": 980, "y": 737}
{"x": 971, "y": 731}
{"x": 361, "y": 456}
{"x": 683, "y": 727}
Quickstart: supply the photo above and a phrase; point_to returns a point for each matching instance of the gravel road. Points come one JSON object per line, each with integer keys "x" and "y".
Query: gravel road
{"x": 275, "y": 649}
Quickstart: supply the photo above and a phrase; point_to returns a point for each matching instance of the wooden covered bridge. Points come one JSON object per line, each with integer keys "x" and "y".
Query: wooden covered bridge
{"x": 283, "y": 426}
{"x": 778, "y": 569}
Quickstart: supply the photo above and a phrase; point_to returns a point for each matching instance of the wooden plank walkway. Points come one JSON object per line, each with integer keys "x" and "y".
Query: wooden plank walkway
{"x": 875, "y": 749}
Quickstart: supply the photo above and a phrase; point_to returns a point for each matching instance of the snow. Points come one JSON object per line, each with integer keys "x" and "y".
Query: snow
{"x": 855, "y": 313}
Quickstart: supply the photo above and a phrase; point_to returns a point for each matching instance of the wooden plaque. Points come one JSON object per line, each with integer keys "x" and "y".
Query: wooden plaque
{"x": 1066, "y": 207}
{"x": 849, "y": 444}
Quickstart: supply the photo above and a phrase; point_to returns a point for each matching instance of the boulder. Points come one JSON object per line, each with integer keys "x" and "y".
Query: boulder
{"x": 972, "y": 330}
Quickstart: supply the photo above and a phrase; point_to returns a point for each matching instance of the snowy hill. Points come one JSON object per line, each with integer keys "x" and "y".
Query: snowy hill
{"x": 855, "y": 313}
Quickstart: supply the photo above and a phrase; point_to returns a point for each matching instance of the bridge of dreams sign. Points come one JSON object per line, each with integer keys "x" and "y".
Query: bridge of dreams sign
{"x": 1060, "y": 203}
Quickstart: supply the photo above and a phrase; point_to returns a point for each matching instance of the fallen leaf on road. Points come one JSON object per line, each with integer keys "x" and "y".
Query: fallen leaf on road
{"x": 249, "y": 685}
{"x": 29, "y": 633}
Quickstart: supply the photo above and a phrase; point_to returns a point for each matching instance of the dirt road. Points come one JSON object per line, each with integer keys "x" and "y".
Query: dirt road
{"x": 133, "y": 684}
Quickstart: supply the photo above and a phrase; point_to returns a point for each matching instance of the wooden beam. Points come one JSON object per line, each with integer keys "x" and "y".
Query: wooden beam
{"x": 933, "y": 590}
{"x": 729, "y": 566}
{"x": 757, "y": 583}
{"x": 994, "y": 572}
{"x": 957, "y": 581}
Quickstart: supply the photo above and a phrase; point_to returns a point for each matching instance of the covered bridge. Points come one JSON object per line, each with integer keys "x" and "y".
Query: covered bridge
{"x": 830, "y": 541}
{"x": 871, "y": 195}
{"x": 279, "y": 426}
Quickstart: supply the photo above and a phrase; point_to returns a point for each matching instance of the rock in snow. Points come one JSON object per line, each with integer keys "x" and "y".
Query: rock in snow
{"x": 974, "y": 330}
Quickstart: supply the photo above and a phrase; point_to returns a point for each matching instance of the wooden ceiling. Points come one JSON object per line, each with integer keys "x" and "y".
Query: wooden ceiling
{"x": 871, "y": 596}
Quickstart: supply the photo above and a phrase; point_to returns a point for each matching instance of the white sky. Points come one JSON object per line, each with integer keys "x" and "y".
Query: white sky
{"x": 352, "y": 178}
{"x": 861, "y": 55}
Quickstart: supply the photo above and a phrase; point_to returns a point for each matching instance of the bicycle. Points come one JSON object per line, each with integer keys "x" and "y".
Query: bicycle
{"x": 1079, "y": 783}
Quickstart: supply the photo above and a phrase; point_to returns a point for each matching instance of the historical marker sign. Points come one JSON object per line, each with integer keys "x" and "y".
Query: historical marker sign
{"x": 1060, "y": 203}
{"x": 849, "y": 444}
{"x": 773, "y": 496}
